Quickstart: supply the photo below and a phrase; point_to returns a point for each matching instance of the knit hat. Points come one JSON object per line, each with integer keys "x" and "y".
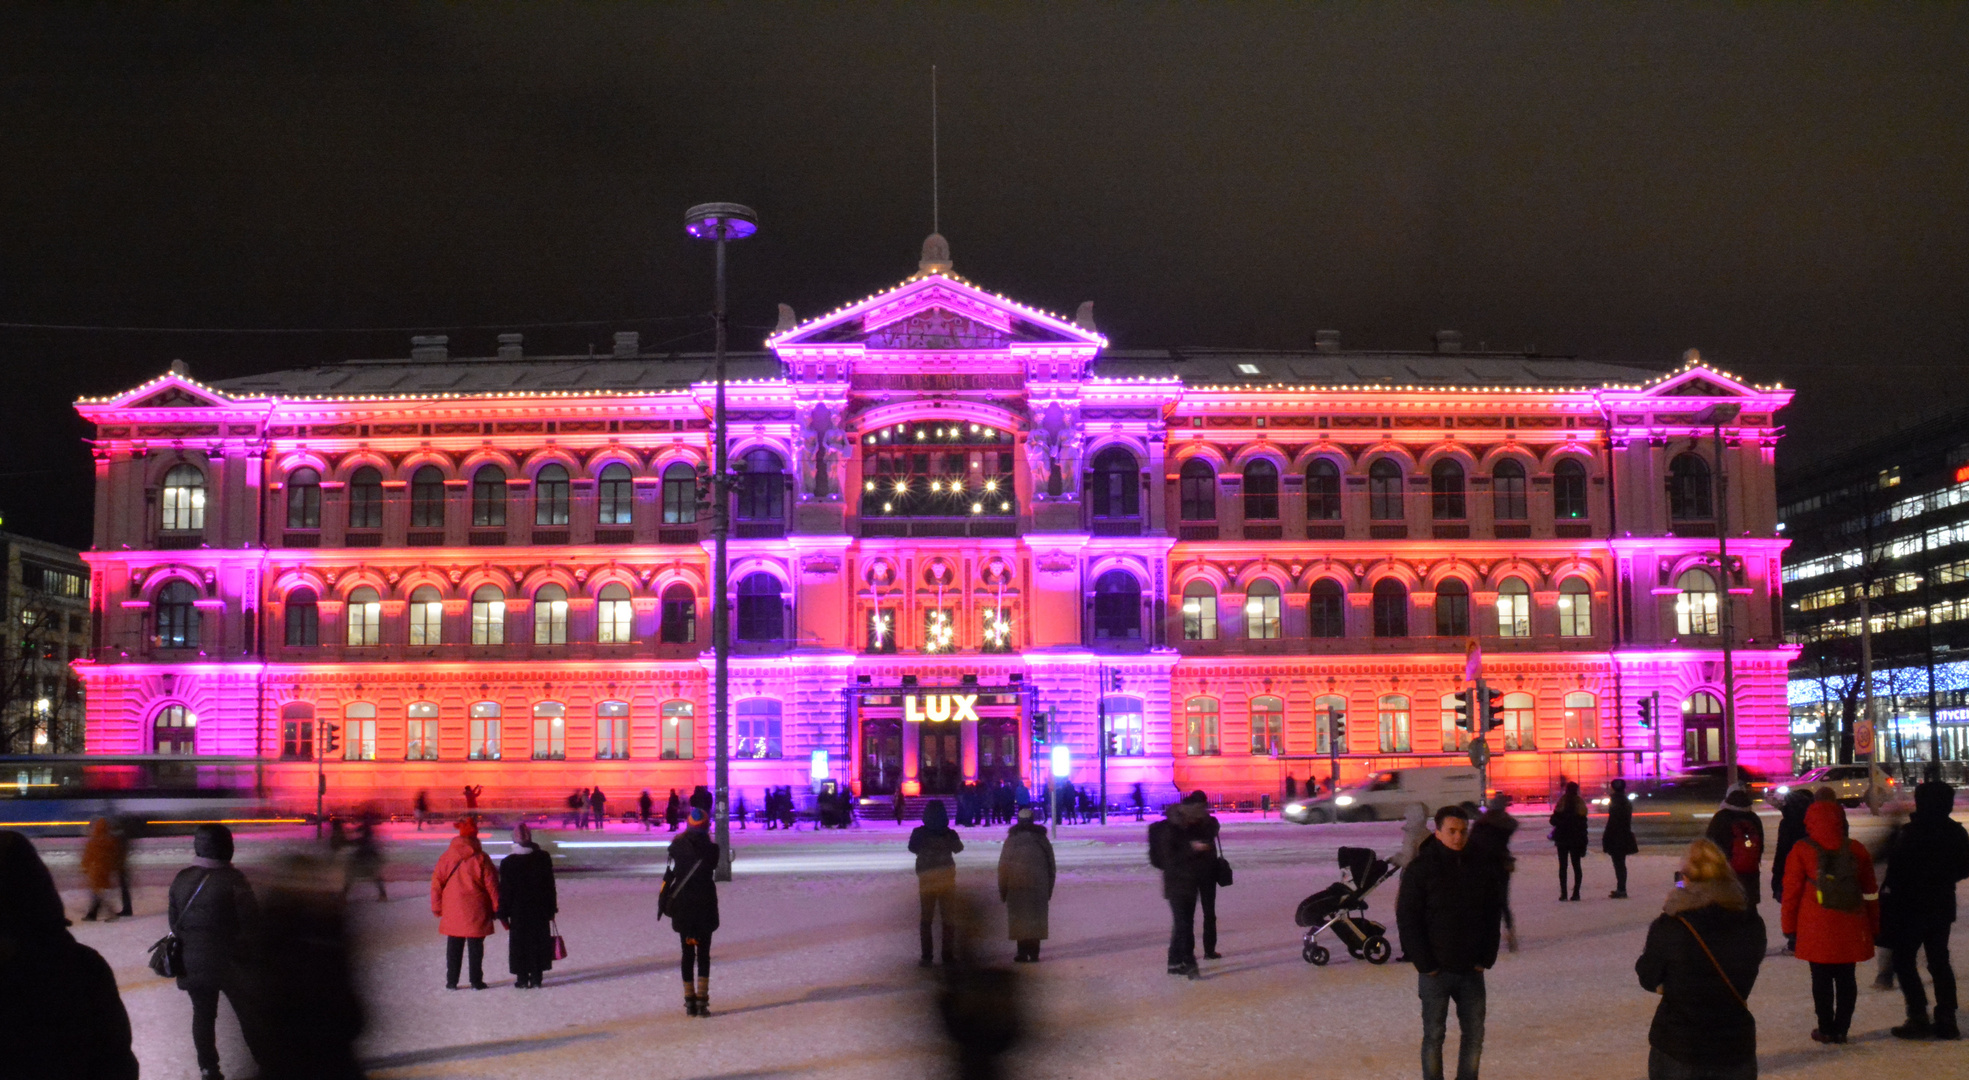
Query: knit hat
{"x": 1025, "y": 815}
{"x": 1738, "y": 797}
{"x": 1197, "y": 797}
{"x": 699, "y": 818}
{"x": 468, "y": 828}
{"x": 522, "y": 835}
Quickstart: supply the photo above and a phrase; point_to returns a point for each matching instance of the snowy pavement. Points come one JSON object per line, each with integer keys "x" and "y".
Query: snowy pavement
{"x": 814, "y": 973}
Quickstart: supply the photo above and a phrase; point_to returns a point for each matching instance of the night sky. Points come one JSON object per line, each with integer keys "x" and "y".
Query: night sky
{"x": 1785, "y": 187}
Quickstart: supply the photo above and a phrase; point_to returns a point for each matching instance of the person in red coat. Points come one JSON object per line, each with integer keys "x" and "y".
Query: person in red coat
{"x": 465, "y": 897}
{"x": 1831, "y": 914}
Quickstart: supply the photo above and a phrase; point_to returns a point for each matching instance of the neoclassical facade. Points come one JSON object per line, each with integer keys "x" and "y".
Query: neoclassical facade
{"x": 958, "y": 522}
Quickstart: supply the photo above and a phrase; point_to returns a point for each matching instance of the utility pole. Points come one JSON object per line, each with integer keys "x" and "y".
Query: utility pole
{"x": 1717, "y": 415}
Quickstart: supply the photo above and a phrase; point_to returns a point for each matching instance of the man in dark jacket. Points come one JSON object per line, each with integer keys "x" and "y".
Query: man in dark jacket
{"x": 1791, "y": 829}
{"x": 60, "y": 1015}
{"x": 1490, "y": 840}
{"x": 1739, "y": 833}
{"x": 1183, "y": 845}
{"x": 1448, "y": 912}
{"x": 1930, "y": 854}
{"x": 935, "y": 845}
{"x": 213, "y": 912}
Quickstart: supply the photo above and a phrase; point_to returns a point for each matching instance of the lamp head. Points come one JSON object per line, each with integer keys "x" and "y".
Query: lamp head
{"x": 720, "y": 221}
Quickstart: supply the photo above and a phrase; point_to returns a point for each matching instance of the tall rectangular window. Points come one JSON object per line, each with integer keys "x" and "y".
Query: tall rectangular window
{"x": 1394, "y": 724}
{"x": 549, "y": 731}
{"x": 1582, "y": 721}
{"x": 882, "y": 630}
{"x": 758, "y": 724}
{"x": 679, "y": 731}
{"x": 483, "y": 736}
{"x": 614, "y": 618}
{"x": 679, "y": 494}
{"x": 615, "y": 496}
{"x": 365, "y": 618}
{"x": 1125, "y": 727}
{"x": 612, "y": 731}
{"x": 1200, "y": 727}
{"x": 1199, "y": 612}
{"x": 421, "y": 732}
{"x": 359, "y": 732}
{"x": 426, "y": 617}
{"x": 550, "y": 496}
{"x": 1329, "y": 716}
{"x": 1267, "y": 725}
{"x": 996, "y": 629}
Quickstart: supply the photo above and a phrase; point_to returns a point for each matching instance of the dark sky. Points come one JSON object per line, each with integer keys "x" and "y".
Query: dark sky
{"x": 1785, "y": 187}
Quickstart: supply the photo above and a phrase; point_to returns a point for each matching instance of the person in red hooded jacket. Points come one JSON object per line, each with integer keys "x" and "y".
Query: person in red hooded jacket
{"x": 1831, "y": 914}
{"x": 465, "y": 898}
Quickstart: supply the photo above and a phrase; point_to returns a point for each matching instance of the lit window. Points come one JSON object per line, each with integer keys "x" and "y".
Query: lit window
{"x": 184, "y": 499}
{"x": 996, "y": 629}
{"x": 679, "y": 729}
{"x": 614, "y": 618}
{"x": 359, "y": 731}
{"x": 612, "y": 731}
{"x": 1520, "y": 726}
{"x": 758, "y": 723}
{"x": 1695, "y": 605}
{"x": 1199, "y": 612}
{"x": 550, "y": 616}
{"x": 1582, "y": 721}
{"x": 488, "y": 616}
{"x": 615, "y": 495}
{"x": 549, "y": 731}
{"x": 1329, "y": 712}
{"x": 421, "y": 731}
{"x": 1394, "y": 724}
{"x": 1267, "y": 726}
{"x": 939, "y": 630}
{"x": 426, "y": 616}
{"x": 550, "y": 488}
{"x": 174, "y": 731}
{"x": 1575, "y": 608}
{"x": 365, "y": 617}
{"x": 483, "y": 734}
{"x": 1514, "y": 609}
{"x": 679, "y": 494}
{"x": 1125, "y": 727}
{"x": 1247, "y": 369}
{"x": 1261, "y": 611}
{"x": 1200, "y": 727}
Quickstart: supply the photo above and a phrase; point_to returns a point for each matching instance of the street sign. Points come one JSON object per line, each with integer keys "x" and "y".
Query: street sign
{"x": 1479, "y": 753}
{"x": 1863, "y": 738}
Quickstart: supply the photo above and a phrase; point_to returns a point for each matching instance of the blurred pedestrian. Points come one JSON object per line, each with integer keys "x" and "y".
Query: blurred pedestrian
{"x": 1702, "y": 957}
{"x": 420, "y": 807}
{"x": 1291, "y": 787}
{"x": 1831, "y": 914}
{"x": 982, "y": 1006}
{"x": 366, "y": 854}
{"x": 1739, "y": 833}
{"x": 1617, "y": 839}
{"x": 701, "y": 799}
{"x": 1183, "y": 845}
{"x": 1930, "y": 854}
{"x": 464, "y": 897}
{"x": 1415, "y": 829}
{"x": 673, "y": 811}
{"x": 1447, "y": 914}
{"x": 577, "y": 810}
{"x": 935, "y": 845}
{"x": 898, "y": 807}
{"x": 786, "y": 809}
{"x": 644, "y": 806}
{"x": 472, "y": 793}
{"x": 213, "y": 912}
{"x": 1569, "y": 837}
{"x": 310, "y": 1016}
{"x": 61, "y": 1017}
{"x": 103, "y": 856}
{"x": 598, "y": 807}
{"x": 1490, "y": 841}
{"x": 527, "y": 906}
{"x": 1140, "y": 800}
{"x": 692, "y": 905}
{"x": 1026, "y": 873}
{"x": 738, "y": 810}
{"x": 1791, "y": 829}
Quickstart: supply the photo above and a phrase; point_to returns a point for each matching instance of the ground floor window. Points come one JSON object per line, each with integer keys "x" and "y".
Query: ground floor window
{"x": 1200, "y": 726}
{"x": 1454, "y": 738}
{"x": 1582, "y": 721}
{"x": 483, "y": 737}
{"x": 1329, "y": 717}
{"x": 1520, "y": 722}
{"x": 758, "y": 728}
{"x": 550, "y": 731}
{"x": 296, "y": 731}
{"x": 1267, "y": 726}
{"x": 1702, "y": 729}
{"x": 612, "y": 730}
{"x": 679, "y": 723}
{"x": 1125, "y": 727}
{"x": 421, "y": 732}
{"x": 1394, "y": 724}
{"x": 359, "y": 732}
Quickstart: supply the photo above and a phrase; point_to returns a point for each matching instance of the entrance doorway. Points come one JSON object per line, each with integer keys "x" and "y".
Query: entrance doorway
{"x": 998, "y": 751}
{"x": 940, "y": 765}
{"x": 1702, "y": 730}
{"x": 881, "y": 755}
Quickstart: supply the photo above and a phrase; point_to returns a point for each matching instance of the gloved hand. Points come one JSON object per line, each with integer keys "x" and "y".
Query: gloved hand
{"x": 1791, "y": 943}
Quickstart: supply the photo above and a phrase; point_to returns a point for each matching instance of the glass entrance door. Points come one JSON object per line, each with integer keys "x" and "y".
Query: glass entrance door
{"x": 998, "y": 750}
{"x": 941, "y": 766}
{"x": 881, "y": 755}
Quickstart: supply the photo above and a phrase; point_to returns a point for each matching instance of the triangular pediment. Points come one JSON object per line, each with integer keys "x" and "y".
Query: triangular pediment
{"x": 1700, "y": 382}
{"x": 172, "y": 391}
{"x": 935, "y": 311}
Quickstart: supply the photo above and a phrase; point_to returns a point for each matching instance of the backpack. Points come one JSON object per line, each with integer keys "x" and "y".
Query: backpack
{"x": 1838, "y": 881}
{"x": 1746, "y": 846}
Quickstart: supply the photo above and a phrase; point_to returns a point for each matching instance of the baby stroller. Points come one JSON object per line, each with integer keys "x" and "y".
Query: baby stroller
{"x": 1342, "y": 907}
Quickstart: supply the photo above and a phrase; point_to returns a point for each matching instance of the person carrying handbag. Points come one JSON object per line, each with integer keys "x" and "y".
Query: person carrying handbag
{"x": 527, "y": 906}
{"x": 690, "y": 899}
{"x": 1702, "y": 957}
{"x": 214, "y": 916}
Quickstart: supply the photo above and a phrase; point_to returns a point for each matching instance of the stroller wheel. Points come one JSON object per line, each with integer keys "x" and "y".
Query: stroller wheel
{"x": 1316, "y": 955}
{"x": 1377, "y": 950}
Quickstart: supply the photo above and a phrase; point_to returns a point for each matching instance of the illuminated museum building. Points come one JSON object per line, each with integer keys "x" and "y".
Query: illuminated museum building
{"x": 494, "y": 570}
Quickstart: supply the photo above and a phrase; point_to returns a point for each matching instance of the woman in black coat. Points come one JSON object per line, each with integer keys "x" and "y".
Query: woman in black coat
{"x": 1618, "y": 838}
{"x": 693, "y": 907}
{"x": 213, "y": 912}
{"x": 1791, "y": 829}
{"x": 527, "y": 906}
{"x": 1707, "y": 933}
{"x": 60, "y": 1015}
{"x": 1569, "y": 836}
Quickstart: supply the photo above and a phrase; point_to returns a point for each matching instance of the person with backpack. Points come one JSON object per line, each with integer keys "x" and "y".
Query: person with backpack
{"x": 1928, "y": 856}
{"x": 1739, "y": 832}
{"x": 691, "y": 901}
{"x": 1569, "y": 837}
{"x": 1702, "y": 957}
{"x": 935, "y": 845}
{"x": 464, "y": 897}
{"x": 1831, "y": 914}
{"x": 1617, "y": 839}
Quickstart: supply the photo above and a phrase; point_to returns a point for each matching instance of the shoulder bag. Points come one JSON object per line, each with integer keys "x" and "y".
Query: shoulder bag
{"x": 167, "y": 954}
{"x": 559, "y": 942}
{"x": 1222, "y": 871}
{"x": 671, "y": 887}
{"x": 1713, "y": 962}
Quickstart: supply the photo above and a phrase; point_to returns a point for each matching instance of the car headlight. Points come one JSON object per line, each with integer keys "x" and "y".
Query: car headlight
{"x": 1784, "y": 789}
{"x": 1631, "y": 796}
{"x": 1295, "y": 807}
{"x": 1344, "y": 800}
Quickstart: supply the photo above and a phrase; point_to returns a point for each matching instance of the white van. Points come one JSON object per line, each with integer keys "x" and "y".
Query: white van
{"x": 1387, "y": 794}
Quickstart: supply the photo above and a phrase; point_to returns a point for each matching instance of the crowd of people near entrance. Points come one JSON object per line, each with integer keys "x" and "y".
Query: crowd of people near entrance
{"x": 278, "y": 956}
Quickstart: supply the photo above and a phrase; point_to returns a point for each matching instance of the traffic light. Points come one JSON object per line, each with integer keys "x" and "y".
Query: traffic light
{"x": 1114, "y": 680}
{"x": 1337, "y": 720}
{"x": 1039, "y": 726}
{"x": 1463, "y": 704}
{"x": 329, "y": 744}
{"x": 1644, "y": 709}
{"x": 1493, "y": 703}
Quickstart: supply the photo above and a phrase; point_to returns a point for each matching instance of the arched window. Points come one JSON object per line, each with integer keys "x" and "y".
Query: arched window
{"x": 1117, "y": 607}
{"x": 1695, "y": 606}
{"x": 366, "y": 498}
{"x": 1267, "y": 725}
{"x": 762, "y": 487}
{"x": 1125, "y": 732}
{"x": 421, "y": 731}
{"x": 1200, "y": 727}
{"x": 1446, "y": 492}
{"x": 1199, "y": 611}
{"x": 1569, "y": 489}
{"x": 758, "y": 728}
{"x": 1394, "y": 728}
{"x": 614, "y": 620}
{"x": 1260, "y": 490}
{"x": 679, "y": 730}
{"x": 297, "y": 731}
{"x": 304, "y": 499}
{"x": 184, "y": 499}
{"x": 303, "y": 619}
{"x": 427, "y": 498}
{"x": 1702, "y": 729}
{"x": 679, "y": 494}
{"x": 1197, "y": 490}
{"x": 1329, "y": 715}
{"x": 1390, "y": 608}
{"x": 482, "y": 736}
{"x": 1507, "y": 491}
{"x": 489, "y": 497}
{"x": 1452, "y": 608}
{"x": 679, "y": 616}
{"x": 1326, "y": 609}
{"x": 1454, "y": 738}
{"x": 615, "y": 495}
{"x": 359, "y": 731}
{"x": 1582, "y": 721}
{"x": 364, "y": 613}
{"x": 1520, "y": 723}
{"x": 177, "y": 616}
{"x": 945, "y": 468}
{"x": 1688, "y": 489}
{"x": 549, "y": 731}
{"x": 1384, "y": 490}
{"x": 1322, "y": 491}
{"x": 174, "y": 730}
{"x": 488, "y": 616}
{"x": 761, "y": 614}
{"x": 1514, "y": 608}
{"x": 1117, "y": 484}
{"x": 612, "y": 731}
{"x": 1575, "y": 608}
{"x": 550, "y": 615}
{"x": 1261, "y": 611}
{"x": 550, "y": 496}
{"x": 426, "y": 616}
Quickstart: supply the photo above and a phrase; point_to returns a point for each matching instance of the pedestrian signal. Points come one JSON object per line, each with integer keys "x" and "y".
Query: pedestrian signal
{"x": 1644, "y": 709}
{"x": 1463, "y": 706}
{"x": 329, "y": 744}
{"x": 1493, "y": 706}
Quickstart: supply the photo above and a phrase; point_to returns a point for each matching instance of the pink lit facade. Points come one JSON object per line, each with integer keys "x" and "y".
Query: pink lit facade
{"x": 957, "y": 512}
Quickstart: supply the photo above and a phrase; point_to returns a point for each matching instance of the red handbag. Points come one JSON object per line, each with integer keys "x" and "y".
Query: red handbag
{"x": 560, "y": 943}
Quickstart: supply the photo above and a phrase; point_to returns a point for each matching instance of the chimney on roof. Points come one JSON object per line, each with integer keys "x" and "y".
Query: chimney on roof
{"x": 1326, "y": 340}
{"x": 628, "y": 343}
{"x": 179, "y": 369}
{"x": 509, "y": 346}
{"x": 430, "y": 347}
{"x": 1083, "y": 316}
{"x": 1449, "y": 341}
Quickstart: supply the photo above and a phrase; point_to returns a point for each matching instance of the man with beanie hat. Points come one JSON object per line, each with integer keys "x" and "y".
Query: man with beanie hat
{"x": 464, "y": 897}
{"x": 214, "y": 914}
{"x": 1926, "y": 859}
{"x": 1738, "y": 832}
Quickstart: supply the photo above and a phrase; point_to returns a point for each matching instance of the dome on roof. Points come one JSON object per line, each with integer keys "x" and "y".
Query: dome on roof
{"x": 936, "y": 255}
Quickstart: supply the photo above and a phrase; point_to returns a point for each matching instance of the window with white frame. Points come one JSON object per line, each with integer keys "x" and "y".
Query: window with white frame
{"x": 1329, "y": 713}
{"x": 483, "y": 735}
{"x": 550, "y": 616}
{"x": 1582, "y": 720}
{"x": 1199, "y": 612}
{"x": 364, "y": 616}
{"x": 758, "y": 723}
{"x": 1575, "y": 608}
{"x": 488, "y": 616}
{"x": 1267, "y": 725}
{"x": 359, "y": 731}
{"x": 1200, "y": 727}
{"x": 614, "y": 618}
{"x": 550, "y": 496}
{"x": 184, "y": 499}
{"x": 1394, "y": 724}
{"x": 615, "y": 493}
{"x": 1520, "y": 722}
{"x": 426, "y": 616}
{"x": 304, "y": 499}
{"x": 549, "y": 731}
{"x": 1261, "y": 611}
{"x": 1454, "y": 738}
{"x": 679, "y": 730}
{"x": 1695, "y": 604}
{"x": 612, "y": 731}
{"x": 421, "y": 731}
{"x": 1125, "y": 737}
{"x": 1514, "y": 608}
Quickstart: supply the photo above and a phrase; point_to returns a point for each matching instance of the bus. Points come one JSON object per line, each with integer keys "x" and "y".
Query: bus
{"x": 59, "y": 794}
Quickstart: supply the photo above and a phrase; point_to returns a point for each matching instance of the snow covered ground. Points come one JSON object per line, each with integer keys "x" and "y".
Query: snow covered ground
{"x": 814, "y": 973}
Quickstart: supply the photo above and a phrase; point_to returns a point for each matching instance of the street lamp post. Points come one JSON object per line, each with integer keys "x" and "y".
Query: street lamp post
{"x": 1716, "y": 416}
{"x": 719, "y": 222}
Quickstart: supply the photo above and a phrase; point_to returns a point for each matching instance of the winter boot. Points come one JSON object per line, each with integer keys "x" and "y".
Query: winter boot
{"x": 704, "y": 995}
{"x": 1945, "y": 1025}
{"x": 1917, "y": 1027}
{"x": 690, "y": 1000}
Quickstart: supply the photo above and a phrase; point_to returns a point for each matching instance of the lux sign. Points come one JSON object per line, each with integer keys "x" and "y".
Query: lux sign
{"x": 938, "y": 708}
